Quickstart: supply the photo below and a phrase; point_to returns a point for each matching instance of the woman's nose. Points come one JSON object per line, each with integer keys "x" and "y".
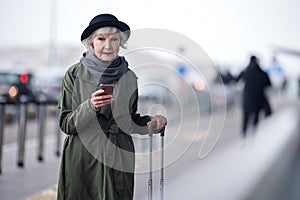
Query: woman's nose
{"x": 107, "y": 44}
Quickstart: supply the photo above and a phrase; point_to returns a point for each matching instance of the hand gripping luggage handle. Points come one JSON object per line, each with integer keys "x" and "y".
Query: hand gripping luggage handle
{"x": 152, "y": 129}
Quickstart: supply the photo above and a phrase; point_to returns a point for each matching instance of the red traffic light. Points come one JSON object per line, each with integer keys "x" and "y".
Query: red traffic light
{"x": 24, "y": 78}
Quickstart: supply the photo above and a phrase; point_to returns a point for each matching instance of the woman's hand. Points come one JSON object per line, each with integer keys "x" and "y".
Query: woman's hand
{"x": 160, "y": 121}
{"x": 98, "y": 99}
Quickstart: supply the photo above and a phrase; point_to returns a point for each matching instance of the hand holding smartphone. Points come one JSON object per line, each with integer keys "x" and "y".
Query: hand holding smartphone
{"x": 99, "y": 99}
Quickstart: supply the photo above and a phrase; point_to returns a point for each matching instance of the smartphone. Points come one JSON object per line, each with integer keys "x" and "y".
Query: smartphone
{"x": 108, "y": 88}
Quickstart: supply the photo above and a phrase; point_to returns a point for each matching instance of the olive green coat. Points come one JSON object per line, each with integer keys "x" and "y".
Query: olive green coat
{"x": 98, "y": 154}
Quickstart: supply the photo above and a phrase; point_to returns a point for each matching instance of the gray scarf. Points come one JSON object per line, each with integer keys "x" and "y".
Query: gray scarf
{"x": 106, "y": 72}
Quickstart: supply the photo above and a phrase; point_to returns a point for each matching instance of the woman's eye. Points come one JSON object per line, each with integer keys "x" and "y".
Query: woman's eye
{"x": 115, "y": 39}
{"x": 101, "y": 38}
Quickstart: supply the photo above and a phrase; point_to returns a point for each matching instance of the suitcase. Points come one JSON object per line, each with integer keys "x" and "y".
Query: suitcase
{"x": 152, "y": 130}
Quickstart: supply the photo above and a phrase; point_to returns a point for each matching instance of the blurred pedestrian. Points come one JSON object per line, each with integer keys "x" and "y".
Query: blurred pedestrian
{"x": 254, "y": 97}
{"x": 98, "y": 155}
{"x": 227, "y": 77}
{"x": 277, "y": 75}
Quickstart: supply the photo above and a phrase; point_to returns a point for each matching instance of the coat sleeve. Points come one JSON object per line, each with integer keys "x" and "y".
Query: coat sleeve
{"x": 72, "y": 118}
{"x": 139, "y": 122}
{"x": 267, "y": 80}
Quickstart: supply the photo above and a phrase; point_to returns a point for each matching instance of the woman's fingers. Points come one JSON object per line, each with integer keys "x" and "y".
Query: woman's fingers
{"x": 160, "y": 120}
{"x": 99, "y": 93}
{"x": 98, "y": 99}
{"x": 99, "y": 104}
{"x": 103, "y": 97}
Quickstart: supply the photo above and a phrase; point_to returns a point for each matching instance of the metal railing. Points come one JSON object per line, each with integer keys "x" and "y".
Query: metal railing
{"x": 2, "y": 113}
{"x": 41, "y": 105}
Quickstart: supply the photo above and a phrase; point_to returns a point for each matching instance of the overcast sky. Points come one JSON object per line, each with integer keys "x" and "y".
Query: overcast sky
{"x": 226, "y": 29}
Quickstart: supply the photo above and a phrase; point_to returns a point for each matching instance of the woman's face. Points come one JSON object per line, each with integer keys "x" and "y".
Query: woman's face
{"x": 106, "y": 46}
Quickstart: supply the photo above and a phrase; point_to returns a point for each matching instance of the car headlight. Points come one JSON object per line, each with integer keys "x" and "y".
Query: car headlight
{"x": 13, "y": 91}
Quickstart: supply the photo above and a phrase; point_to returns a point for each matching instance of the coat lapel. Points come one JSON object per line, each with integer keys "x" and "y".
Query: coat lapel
{"x": 83, "y": 74}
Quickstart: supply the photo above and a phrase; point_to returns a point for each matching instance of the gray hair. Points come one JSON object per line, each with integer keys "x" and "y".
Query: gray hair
{"x": 87, "y": 43}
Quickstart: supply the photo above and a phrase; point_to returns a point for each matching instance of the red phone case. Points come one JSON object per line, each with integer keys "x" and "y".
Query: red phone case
{"x": 108, "y": 88}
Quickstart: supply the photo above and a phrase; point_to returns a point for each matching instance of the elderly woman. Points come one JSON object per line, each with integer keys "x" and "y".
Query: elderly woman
{"x": 98, "y": 154}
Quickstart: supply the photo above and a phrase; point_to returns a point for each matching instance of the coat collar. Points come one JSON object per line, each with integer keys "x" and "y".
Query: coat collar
{"x": 83, "y": 74}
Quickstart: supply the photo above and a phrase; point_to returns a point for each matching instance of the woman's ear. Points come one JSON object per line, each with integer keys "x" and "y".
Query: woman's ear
{"x": 92, "y": 46}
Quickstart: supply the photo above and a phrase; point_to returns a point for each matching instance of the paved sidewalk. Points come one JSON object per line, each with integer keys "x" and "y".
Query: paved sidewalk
{"x": 47, "y": 194}
{"x": 20, "y": 183}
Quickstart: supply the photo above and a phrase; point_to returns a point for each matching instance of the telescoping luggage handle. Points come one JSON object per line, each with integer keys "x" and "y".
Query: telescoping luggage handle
{"x": 151, "y": 130}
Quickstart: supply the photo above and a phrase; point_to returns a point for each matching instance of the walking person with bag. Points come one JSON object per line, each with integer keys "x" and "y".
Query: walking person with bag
{"x": 98, "y": 155}
{"x": 254, "y": 97}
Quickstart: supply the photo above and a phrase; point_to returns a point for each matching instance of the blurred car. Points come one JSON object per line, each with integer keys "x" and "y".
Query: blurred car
{"x": 155, "y": 93}
{"x": 14, "y": 85}
{"x": 51, "y": 87}
{"x": 50, "y": 79}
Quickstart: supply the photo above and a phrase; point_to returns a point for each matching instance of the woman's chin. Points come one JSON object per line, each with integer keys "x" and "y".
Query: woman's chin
{"x": 107, "y": 58}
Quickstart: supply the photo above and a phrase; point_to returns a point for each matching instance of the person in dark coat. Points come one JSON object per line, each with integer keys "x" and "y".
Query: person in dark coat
{"x": 98, "y": 154}
{"x": 254, "y": 97}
